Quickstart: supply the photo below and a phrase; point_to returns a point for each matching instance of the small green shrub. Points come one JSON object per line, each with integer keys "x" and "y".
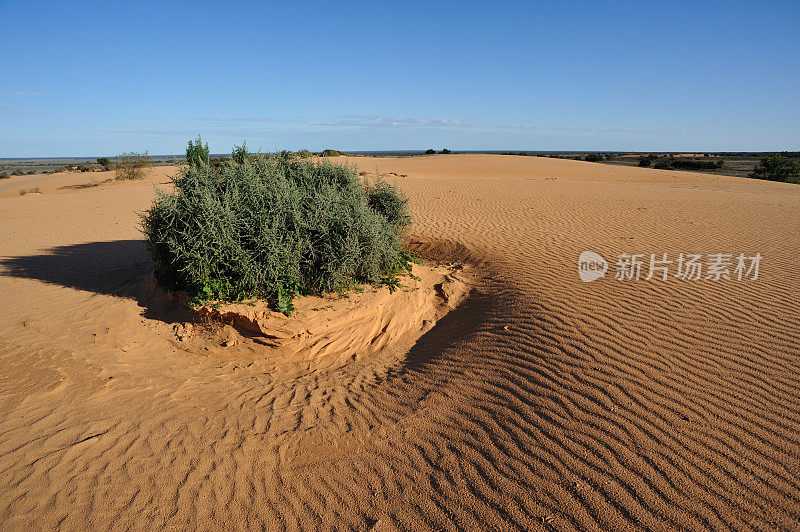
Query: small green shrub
{"x": 777, "y": 168}
{"x": 197, "y": 152}
{"x": 445, "y": 151}
{"x": 104, "y": 162}
{"x": 274, "y": 227}
{"x": 594, "y": 158}
{"x": 132, "y": 165}
{"x": 430, "y": 151}
{"x": 646, "y": 162}
{"x": 240, "y": 155}
{"x": 332, "y": 153}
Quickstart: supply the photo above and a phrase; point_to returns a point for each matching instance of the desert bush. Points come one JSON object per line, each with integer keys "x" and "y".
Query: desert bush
{"x": 777, "y": 168}
{"x": 132, "y": 165}
{"x": 389, "y": 202}
{"x": 4, "y": 175}
{"x": 332, "y": 153}
{"x": 104, "y": 162}
{"x": 272, "y": 228}
{"x": 197, "y": 152}
{"x": 645, "y": 162}
{"x": 445, "y": 151}
{"x": 240, "y": 155}
{"x": 594, "y": 158}
{"x": 430, "y": 151}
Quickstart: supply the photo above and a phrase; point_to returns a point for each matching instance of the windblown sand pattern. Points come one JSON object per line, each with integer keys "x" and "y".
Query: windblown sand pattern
{"x": 539, "y": 402}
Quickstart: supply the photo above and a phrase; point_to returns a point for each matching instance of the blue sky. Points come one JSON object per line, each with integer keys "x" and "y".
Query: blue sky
{"x": 99, "y": 78}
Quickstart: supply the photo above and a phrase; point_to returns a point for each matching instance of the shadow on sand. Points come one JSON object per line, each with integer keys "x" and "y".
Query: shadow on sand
{"x": 119, "y": 268}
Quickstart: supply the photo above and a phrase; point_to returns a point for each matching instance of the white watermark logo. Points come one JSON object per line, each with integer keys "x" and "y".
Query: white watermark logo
{"x": 591, "y": 266}
{"x": 686, "y": 267}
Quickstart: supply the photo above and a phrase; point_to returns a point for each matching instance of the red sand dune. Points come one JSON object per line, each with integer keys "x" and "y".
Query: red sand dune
{"x": 539, "y": 402}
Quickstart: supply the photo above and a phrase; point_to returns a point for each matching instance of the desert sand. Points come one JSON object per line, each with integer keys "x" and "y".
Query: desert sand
{"x": 540, "y": 401}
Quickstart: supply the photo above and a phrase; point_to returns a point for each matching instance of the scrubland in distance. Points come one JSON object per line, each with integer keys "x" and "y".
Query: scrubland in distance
{"x": 274, "y": 227}
{"x": 130, "y": 166}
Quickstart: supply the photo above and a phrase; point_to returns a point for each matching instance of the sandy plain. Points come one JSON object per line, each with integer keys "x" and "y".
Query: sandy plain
{"x": 539, "y": 402}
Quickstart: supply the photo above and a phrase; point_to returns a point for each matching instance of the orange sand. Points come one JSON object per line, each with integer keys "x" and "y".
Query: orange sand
{"x": 539, "y": 402}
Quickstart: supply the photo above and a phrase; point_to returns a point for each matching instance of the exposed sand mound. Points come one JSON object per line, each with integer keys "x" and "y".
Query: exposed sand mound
{"x": 339, "y": 328}
{"x": 539, "y": 402}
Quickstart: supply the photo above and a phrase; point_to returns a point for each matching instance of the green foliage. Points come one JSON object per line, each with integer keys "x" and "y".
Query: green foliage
{"x": 672, "y": 163}
{"x": 132, "y": 165}
{"x": 273, "y": 228}
{"x": 388, "y": 201}
{"x": 104, "y": 162}
{"x": 331, "y": 153}
{"x": 777, "y": 168}
{"x": 594, "y": 157}
{"x": 445, "y": 151}
{"x": 197, "y": 153}
{"x": 430, "y": 151}
{"x": 240, "y": 154}
{"x": 646, "y": 162}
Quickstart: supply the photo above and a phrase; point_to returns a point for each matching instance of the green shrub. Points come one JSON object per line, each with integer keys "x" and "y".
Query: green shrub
{"x": 388, "y": 201}
{"x": 430, "y": 151}
{"x": 272, "y": 228}
{"x": 777, "y": 168}
{"x": 131, "y": 165}
{"x": 594, "y": 158}
{"x": 240, "y": 155}
{"x": 445, "y": 151}
{"x": 197, "y": 152}
{"x": 645, "y": 162}
{"x": 105, "y": 162}
{"x": 332, "y": 153}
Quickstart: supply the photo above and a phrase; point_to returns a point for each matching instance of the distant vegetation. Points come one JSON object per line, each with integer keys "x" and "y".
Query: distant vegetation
{"x": 273, "y": 227}
{"x": 431, "y": 151}
{"x": 131, "y": 165}
{"x": 331, "y": 153}
{"x": 670, "y": 162}
{"x": 777, "y": 168}
{"x": 105, "y": 163}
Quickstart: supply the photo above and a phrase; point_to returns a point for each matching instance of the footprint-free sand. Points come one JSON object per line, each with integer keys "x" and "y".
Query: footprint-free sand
{"x": 540, "y": 401}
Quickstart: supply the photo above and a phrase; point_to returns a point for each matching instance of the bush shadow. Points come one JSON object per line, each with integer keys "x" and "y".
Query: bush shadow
{"x": 120, "y": 268}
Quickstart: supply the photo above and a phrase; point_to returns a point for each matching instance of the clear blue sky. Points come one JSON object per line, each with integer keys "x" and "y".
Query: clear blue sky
{"x": 99, "y": 78}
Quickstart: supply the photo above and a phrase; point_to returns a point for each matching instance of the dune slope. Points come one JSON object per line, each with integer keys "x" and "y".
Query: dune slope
{"x": 540, "y": 402}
